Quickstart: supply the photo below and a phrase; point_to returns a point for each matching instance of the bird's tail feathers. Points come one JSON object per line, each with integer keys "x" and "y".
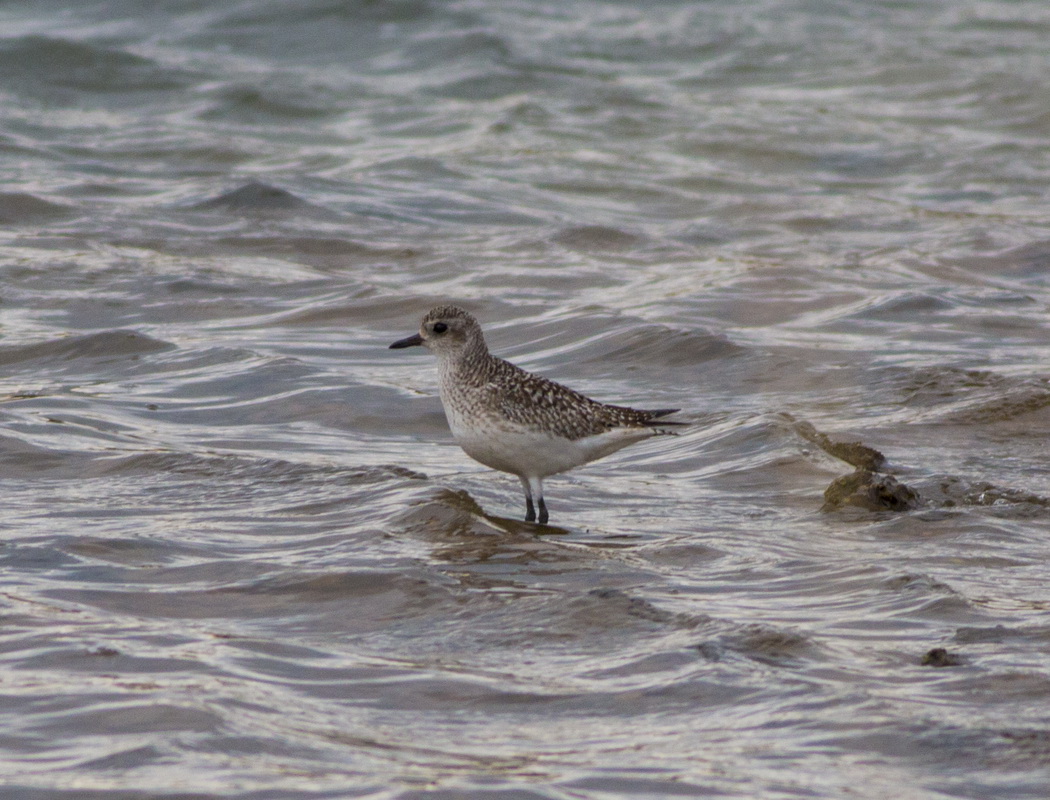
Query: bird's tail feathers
{"x": 655, "y": 421}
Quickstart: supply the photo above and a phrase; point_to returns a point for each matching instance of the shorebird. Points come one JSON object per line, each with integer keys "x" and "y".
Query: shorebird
{"x": 517, "y": 422}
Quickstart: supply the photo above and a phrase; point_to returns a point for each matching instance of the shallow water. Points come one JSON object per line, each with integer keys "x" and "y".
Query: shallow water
{"x": 242, "y": 557}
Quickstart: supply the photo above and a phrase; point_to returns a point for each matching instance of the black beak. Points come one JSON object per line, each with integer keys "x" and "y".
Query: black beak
{"x": 411, "y": 341}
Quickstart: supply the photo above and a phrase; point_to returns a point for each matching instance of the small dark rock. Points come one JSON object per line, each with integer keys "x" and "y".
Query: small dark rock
{"x": 709, "y": 651}
{"x": 939, "y": 657}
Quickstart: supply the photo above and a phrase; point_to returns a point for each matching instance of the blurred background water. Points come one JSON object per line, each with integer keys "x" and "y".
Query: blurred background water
{"x": 242, "y": 557}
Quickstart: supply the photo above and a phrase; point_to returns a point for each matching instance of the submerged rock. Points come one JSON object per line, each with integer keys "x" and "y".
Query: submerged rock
{"x": 596, "y": 237}
{"x": 255, "y": 196}
{"x": 869, "y": 490}
{"x": 866, "y": 487}
{"x": 21, "y": 207}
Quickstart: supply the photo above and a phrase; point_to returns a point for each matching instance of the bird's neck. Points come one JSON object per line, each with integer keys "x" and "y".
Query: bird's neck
{"x": 469, "y": 367}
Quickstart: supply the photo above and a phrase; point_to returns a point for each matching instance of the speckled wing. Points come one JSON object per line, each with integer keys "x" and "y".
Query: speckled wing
{"x": 533, "y": 401}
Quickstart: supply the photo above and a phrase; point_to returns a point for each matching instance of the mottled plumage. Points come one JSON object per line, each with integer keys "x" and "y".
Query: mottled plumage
{"x": 518, "y": 422}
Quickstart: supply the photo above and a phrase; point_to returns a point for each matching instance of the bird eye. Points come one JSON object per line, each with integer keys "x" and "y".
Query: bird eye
{"x": 439, "y": 327}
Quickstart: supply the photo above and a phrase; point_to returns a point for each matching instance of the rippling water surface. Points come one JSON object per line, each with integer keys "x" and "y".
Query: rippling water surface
{"x": 242, "y": 557}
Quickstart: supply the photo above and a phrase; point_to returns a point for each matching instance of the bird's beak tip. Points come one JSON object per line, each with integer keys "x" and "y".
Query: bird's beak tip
{"x": 410, "y": 341}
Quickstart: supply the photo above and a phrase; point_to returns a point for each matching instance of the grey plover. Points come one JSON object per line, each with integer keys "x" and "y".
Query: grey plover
{"x": 517, "y": 422}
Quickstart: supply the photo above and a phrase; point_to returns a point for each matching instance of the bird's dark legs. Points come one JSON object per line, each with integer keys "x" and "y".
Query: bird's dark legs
{"x": 536, "y": 484}
{"x": 530, "y": 509}
{"x": 534, "y": 489}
